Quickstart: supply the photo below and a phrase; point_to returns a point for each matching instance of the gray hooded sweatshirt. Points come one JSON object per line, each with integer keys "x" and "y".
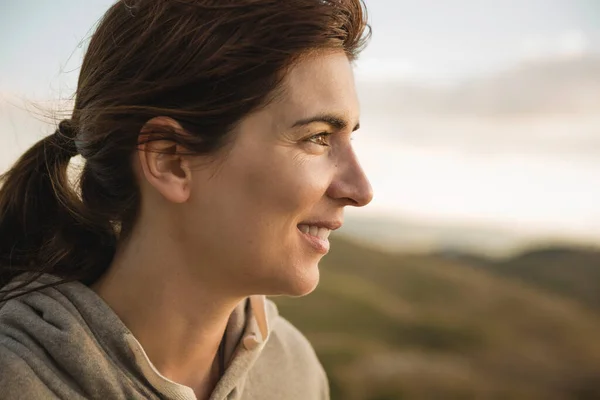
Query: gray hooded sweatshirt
{"x": 65, "y": 342}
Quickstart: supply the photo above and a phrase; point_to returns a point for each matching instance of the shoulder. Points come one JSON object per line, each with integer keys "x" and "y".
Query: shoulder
{"x": 289, "y": 355}
{"x": 30, "y": 342}
{"x": 18, "y": 379}
{"x": 292, "y": 342}
{"x": 49, "y": 350}
{"x": 288, "y": 339}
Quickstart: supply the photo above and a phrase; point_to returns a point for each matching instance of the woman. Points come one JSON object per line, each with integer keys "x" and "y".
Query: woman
{"x": 216, "y": 140}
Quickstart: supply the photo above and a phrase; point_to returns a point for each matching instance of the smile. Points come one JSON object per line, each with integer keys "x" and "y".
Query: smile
{"x": 317, "y": 236}
{"x": 312, "y": 230}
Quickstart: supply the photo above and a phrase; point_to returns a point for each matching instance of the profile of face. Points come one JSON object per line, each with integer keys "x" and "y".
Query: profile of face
{"x": 256, "y": 220}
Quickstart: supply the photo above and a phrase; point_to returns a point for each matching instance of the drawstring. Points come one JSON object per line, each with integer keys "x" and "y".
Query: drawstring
{"x": 221, "y": 355}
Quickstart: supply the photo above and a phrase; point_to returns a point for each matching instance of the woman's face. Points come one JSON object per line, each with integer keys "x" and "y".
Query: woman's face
{"x": 261, "y": 215}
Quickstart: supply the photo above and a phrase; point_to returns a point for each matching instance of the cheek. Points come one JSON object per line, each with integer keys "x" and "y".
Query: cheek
{"x": 286, "y": 185}
{"x": 258, "y": 198}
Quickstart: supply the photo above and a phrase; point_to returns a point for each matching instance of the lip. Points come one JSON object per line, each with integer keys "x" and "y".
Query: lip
{"x": 320, "y": 245}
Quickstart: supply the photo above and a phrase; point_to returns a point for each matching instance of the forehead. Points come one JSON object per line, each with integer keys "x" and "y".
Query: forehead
{"x": 321, "y": 83}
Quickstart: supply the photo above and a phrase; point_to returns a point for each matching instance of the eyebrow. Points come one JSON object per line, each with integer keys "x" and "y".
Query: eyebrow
{"x": 329, "y": 119}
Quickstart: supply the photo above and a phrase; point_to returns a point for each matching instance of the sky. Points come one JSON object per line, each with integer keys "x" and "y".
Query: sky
{"x": 448, "y": 40}
{"x": 425, "y": 39}
{"x": 429, "y": 43}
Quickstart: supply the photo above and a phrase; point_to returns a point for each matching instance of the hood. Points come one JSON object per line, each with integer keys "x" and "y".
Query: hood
{"x": 68, "y": 330}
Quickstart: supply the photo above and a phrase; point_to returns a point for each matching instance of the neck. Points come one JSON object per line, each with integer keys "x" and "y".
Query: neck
{"x": 178, "y": 317}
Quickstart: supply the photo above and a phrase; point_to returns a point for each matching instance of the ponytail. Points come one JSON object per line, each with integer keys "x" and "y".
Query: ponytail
{"x": 44, "y": 226}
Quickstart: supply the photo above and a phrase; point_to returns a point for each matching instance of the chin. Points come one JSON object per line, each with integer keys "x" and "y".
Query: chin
{"x": 300, "y": 283}
{"x": 303, "y": 290}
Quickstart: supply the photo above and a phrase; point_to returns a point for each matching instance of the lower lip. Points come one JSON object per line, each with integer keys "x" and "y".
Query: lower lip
{"x": 320, "y": 245}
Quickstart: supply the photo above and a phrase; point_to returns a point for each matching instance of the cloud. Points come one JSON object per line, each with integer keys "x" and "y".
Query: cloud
{"x": 568, "y": 44}
{"x": 377, "y": 69}
{"x": 573, "y": 44}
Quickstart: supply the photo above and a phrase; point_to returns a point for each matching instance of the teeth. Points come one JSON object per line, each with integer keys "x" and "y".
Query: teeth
{"x": 321, "y": 233}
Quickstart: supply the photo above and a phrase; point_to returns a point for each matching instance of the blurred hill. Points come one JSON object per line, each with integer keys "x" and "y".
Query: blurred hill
{"x": 570, "y": 272}
{"x": 393, "y": 326}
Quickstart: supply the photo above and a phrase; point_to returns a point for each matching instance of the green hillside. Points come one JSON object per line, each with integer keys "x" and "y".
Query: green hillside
{"x": 412, "y": 327}
{"x": 573, "y": 273}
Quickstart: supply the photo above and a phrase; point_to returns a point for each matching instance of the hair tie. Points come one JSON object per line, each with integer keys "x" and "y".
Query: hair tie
{"x": 65, "y": 137}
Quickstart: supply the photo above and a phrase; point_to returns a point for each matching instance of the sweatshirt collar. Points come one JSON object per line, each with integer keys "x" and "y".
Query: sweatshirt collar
{"x": 247, "y": 331}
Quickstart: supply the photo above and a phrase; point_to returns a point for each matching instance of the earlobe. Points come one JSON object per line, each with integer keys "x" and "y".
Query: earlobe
{"x": 162, "y": 164}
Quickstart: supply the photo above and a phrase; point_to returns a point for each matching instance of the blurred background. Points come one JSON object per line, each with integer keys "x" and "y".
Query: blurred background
{"x": 475, "y": 272}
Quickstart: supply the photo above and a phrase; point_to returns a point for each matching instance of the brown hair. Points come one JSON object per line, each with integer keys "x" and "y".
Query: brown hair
{"x": 204, "y": 63}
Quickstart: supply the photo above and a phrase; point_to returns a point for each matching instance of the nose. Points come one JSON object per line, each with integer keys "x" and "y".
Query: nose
{"x": 350, "y": 184}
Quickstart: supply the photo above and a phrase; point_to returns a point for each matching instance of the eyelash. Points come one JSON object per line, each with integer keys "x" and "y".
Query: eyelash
{"x": 323, "y": 135}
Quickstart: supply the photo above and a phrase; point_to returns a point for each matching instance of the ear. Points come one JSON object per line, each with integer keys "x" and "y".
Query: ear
{"x": 163, "y": 163}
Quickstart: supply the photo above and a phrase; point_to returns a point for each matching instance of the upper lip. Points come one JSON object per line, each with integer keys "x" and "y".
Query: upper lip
{"x": 331, "y": 225}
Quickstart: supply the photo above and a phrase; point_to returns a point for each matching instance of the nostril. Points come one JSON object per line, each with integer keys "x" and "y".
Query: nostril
{"x": 351, "y": 202}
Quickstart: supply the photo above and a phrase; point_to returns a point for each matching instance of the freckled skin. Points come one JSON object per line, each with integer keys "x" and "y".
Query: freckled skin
{"x": 244, "y": 210}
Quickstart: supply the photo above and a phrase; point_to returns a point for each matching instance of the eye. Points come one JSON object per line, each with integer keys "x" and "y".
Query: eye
{"x": 322, "y": 139}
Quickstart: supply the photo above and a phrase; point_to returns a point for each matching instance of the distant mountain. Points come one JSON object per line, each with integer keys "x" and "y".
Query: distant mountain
{"x": 425, "y": 326}
{"x": 554, "y": 86}
{"x": 571, "y": 272}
